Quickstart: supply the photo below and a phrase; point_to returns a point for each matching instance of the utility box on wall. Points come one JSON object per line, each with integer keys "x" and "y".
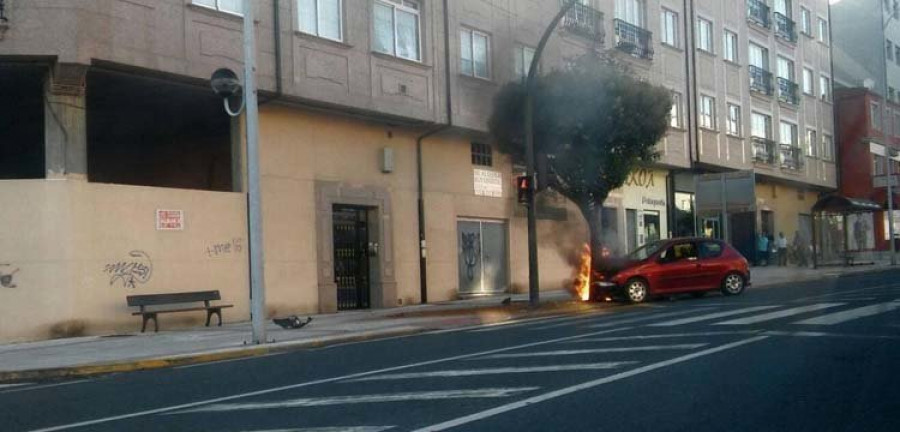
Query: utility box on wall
{"x": 387, "y": 160}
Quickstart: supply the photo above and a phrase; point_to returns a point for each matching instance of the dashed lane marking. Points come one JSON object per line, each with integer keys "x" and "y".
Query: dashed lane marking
{"x": 780, "y": 314}
{"x": 593, "y": 351}
{"x": 852, "y": 314}
{"x": 712, "y": 316}
{"x": 496, "y": 371}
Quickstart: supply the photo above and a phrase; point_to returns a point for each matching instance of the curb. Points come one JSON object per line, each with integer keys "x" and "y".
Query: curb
{"x": 823, "y": 276}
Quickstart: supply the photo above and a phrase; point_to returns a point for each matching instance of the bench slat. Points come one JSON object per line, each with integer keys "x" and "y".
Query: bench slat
{"x": 172, "y": 298}
{"x": 162, "y": 311}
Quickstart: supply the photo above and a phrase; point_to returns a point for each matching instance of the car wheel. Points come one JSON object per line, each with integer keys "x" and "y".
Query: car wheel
{"x": 733, "y": 284}
{"x": 637, "y": 291}
{"x": 698, "y": 294}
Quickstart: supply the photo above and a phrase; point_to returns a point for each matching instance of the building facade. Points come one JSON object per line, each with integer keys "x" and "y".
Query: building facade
{"x": 128, "y": 176}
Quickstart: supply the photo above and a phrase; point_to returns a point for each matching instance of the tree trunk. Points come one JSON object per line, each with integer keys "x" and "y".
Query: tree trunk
{"x": 593, "y": 215}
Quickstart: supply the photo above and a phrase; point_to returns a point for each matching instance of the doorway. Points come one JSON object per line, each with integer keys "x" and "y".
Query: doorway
{"x": 483, "y": 262}
{"x": 631, "y": 222}
{"x": 351, "y": 257}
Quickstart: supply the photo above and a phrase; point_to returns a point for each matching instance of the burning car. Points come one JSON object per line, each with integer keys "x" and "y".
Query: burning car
{"x": 683, "y": 265}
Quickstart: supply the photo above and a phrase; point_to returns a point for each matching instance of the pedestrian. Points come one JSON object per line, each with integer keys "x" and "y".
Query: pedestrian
{"x": 762, "y": 249}
{"x": 781, "y": 243}
{"x": 800, "y": 247}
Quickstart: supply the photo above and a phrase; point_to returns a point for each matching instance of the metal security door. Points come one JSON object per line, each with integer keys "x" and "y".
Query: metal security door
{"x": 483, "y": 262}
{"x": 351, "y": 257}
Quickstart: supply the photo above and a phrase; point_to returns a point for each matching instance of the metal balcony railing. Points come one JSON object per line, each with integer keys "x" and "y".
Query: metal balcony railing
{"x": 758, "y": 13}
{"x": 2, "y": 12}
{"x": 634, "y": 40}
{"x": 763, "y": 150}
{"x": 760, "y": 80}
{"x": 791, "y": 157}
{"x": 785, "y": 27}
{"x": 788, "y": 91}
{"x": 585, "y": 21}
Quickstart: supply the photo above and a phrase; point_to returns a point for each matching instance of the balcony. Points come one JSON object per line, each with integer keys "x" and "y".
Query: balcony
{"x": 791, "y": 157}
{"x": 763, "y": 150}
{"x": 634, "y": 40}
{"x": 785, "y": 27}
{"x": 788, "y": 91}
{"x": 760, "y": 80}
{"x": 2, "y": 12}
{"x": 584, "y": 21}
{"x": 758, "y": 13}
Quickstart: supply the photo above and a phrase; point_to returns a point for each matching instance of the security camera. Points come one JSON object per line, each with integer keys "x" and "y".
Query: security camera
{"x": 225, "y": 83}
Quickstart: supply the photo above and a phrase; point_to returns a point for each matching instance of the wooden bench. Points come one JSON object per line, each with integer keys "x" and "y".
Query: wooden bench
{"x": 183, "y": 299}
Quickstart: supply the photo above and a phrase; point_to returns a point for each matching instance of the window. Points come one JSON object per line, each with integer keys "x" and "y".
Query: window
{"x": 482, "y": 154}
{"x": 707, "y": 112}
{"x": 679, "y": 251}
{"x": 827, "y": 147}
{"x": 878, "y": 165}
{"x": 889, "y": 50}
{"x": 811, "y": 147}
{"x": 397, "y": 28}
{"x": 731, "y": 47}
{"x": 761, "y": 126}
{"x": 784, "y": 7}
{"x": 759, "y": 56}
{"x": 874, "y": 116}
{"x": 523, "y": 57}
{"x": 704, "y": 35}
{"x": 474, "y": 48}
{"x": 631, "y": 11}
{"x": 734, "y": 120}
{"x": 710, "y": 249}
{"x": 230, "y": 6}
{"x": 669, "y": 34}
{"x": 675, "y": 113}
{"x": 785, "y": 68}
{"x": 788, "y": 134}
{"x": 891, "y": 93}
{"x": 823, "y": 31}
{"x": 809, "y": 87}
{"x": 805, "y": 21}
{"x": 825, "y": 88}
{"x": 320, "y": 18}
{"x": 897, "y": 54}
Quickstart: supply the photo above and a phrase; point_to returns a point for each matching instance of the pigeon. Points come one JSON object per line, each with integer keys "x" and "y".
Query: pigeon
{"x": 291, "y": 322}
{"x": 506, "y": 301}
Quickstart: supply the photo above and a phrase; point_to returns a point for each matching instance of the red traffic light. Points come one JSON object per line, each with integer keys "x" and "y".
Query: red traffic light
{"x": 524, "y": 187}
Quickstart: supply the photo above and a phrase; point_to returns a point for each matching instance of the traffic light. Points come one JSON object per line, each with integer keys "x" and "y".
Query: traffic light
{"x": 523, "y": 185}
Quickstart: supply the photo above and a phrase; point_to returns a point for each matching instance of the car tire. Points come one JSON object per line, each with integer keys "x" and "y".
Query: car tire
{"x": 733, "y": 284}
{"x": 637, "y": 290}
{"x": 698, "y": 294}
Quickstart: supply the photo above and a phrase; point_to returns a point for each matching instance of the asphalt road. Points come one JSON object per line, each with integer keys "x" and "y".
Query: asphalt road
{"x": 820, "y": 356}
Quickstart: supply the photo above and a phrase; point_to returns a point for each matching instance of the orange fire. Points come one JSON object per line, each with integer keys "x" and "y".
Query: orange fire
{"x": 583, "y": 279}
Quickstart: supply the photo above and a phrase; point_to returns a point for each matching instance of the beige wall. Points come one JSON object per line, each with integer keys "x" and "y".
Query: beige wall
{"x": 787, "y": 203}
{"x": 61, "y": 235}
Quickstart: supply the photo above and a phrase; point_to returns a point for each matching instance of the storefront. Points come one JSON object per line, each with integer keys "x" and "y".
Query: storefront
{"x": 641, "y": 208}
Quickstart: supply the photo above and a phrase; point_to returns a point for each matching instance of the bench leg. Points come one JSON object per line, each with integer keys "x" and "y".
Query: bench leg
{"x": 210, "y": 313}
{"x": 147, "y": 317}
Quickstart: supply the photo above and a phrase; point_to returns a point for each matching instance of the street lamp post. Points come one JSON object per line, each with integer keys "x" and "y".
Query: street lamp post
{"x": 888, "y": 151}
{"x": 533, "y": 280}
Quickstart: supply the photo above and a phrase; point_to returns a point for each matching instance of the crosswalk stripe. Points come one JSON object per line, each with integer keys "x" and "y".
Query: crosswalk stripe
{"x": 592, "y": 351}
{"x": 852, "y": 314}
{"x": 663, "y": 336}
{"x": 332, "y": 429}
{"x": 2, "y": 386}
{"x": 360, "y": 399}
{"x": 712, "y": 316}
{"x": 647, "y": 317}
{"x": 780, "y": 314}
{"x": 495, "y": 371}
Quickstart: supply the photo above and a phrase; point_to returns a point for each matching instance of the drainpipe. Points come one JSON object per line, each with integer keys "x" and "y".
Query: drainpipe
{"x": 276, "y": 29}
{"x": 423, "y": 257}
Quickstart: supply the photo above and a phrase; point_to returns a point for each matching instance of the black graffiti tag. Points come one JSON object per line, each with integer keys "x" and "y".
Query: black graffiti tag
{"x": 131, "y": 272}
{"x": 6, "y": 275}
{"x": 471, "y": 252}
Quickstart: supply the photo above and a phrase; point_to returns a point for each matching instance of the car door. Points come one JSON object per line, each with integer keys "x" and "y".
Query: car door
{"x": 713, "y": 263}
{"x": 678, "y": 266}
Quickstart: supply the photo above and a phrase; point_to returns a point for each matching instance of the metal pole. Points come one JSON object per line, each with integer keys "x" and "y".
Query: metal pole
{"x": 533, "y": 282}
{"x": 724, "y": 226}
{"x": 888, "y": 152}
{"x": 254, "y": 203}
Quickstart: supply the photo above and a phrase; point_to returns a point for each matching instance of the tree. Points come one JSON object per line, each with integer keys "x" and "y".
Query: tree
{"x": 594, "y": 121}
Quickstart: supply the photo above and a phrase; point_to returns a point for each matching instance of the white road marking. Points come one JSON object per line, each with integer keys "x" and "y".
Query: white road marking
{"x": 583, "y": 386}
{"x": 2, "y": 386}
{"x": 333, "y": 429}
{"x": 316, "y": 382}
{"x": 593, "y": 351}
{"x": 519, "y": 323}
{"x": 360, "y": 399}
{"x": 611, "y": 315}
{"x": 665, "y": 336}
{"x": 38, "y": 387}
{"x": 843, "y": 292}
{"x": 647, "y": 317}
{"x": 780, "y": 314}
{"x": 495, "y": 371}
{"x": 827, "y": 334}
{"x": 852, "y": 314}
{"x": 712, "y": 316}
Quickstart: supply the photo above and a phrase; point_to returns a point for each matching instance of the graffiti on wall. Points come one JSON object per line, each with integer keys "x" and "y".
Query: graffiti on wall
{"x": 131, "y": 272}
{"x": 7, "y": 271}
{"x": 471, "y": 252}
{"x": 236, "y": 245}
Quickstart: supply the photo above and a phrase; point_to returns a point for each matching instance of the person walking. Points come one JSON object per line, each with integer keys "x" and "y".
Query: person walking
{"x": 781, "y": 243}
{"x": 762, "y": 249}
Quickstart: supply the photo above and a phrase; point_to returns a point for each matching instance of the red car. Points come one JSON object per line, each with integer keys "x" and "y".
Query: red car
{"x": 682, "y": 265}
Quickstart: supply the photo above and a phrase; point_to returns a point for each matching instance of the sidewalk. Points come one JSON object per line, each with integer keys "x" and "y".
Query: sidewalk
{"x": 85, "y": 356}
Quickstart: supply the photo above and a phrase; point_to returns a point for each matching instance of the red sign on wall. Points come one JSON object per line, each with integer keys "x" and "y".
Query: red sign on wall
{"x": 169, "y": 220}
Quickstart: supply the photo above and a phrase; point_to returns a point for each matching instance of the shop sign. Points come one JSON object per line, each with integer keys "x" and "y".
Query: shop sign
{"x": 642, "y": 177}
{"x": 653, "y": 202}
{"x": 169, "y": 220}
{"x": 488, "y": 183}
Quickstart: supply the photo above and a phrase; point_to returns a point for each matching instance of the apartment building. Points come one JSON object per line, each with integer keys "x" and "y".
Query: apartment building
{"x": 128, "y": 177}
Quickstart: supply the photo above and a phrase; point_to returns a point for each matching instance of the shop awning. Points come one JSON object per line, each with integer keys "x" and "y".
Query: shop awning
{"x": 840, "y": 204}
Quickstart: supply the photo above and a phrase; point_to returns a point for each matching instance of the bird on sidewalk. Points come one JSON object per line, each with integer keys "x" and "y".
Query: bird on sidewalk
{"x": 506, "y": 301}
{"x": 291, "y": 322}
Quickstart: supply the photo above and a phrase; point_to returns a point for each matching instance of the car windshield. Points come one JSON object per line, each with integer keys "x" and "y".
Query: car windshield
{"x": 645, "y": 251}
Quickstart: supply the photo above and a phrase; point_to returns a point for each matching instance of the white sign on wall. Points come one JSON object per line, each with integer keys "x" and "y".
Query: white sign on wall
{"x": 488, "y": 183}
{"x": 169, "y": 220}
